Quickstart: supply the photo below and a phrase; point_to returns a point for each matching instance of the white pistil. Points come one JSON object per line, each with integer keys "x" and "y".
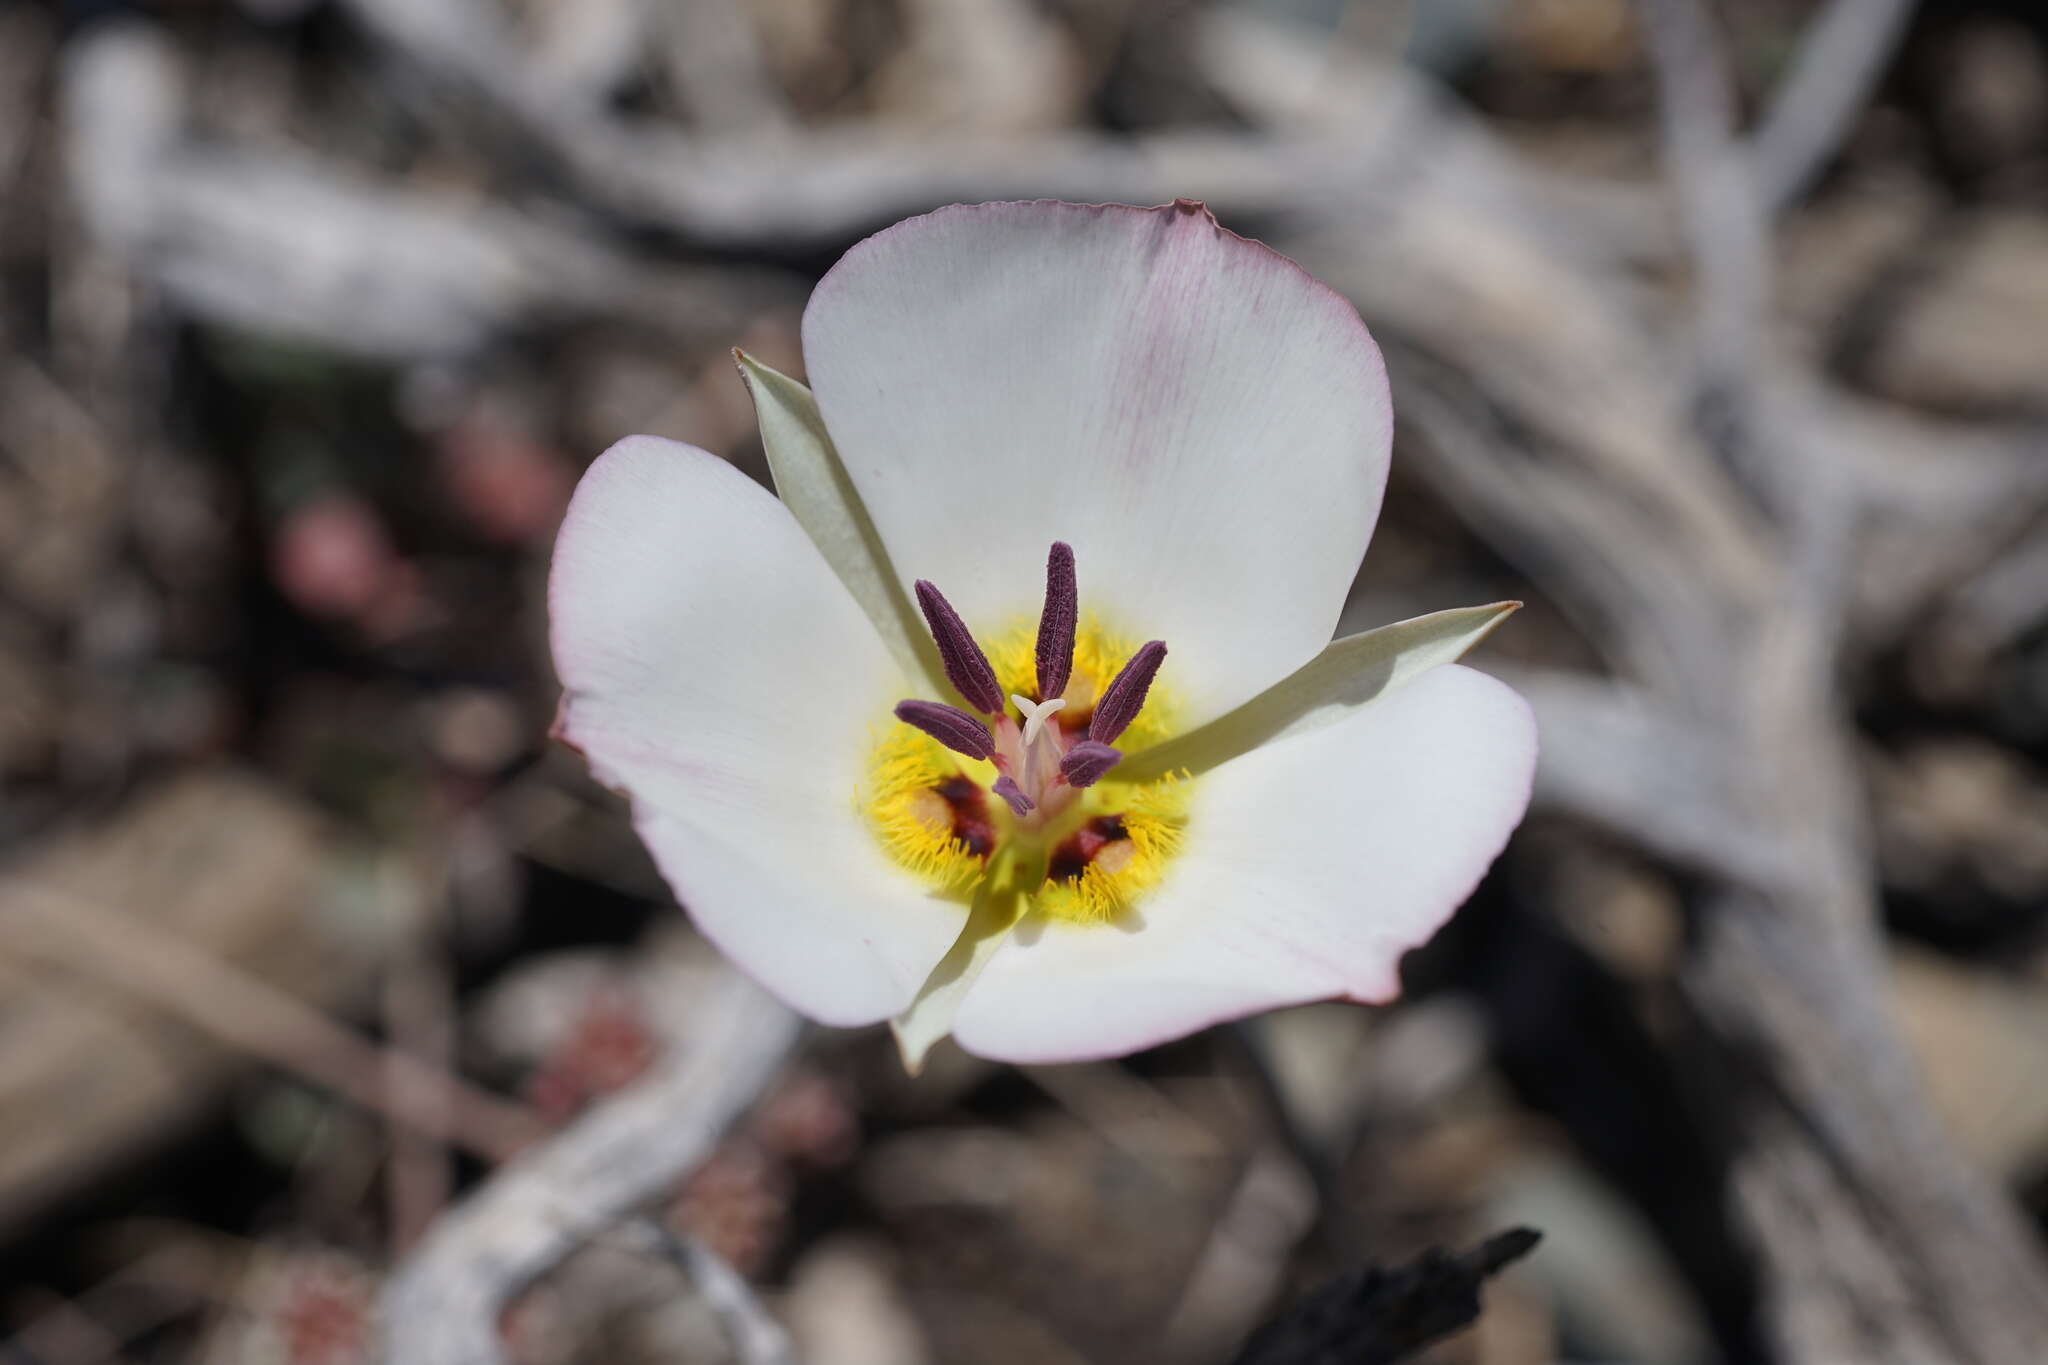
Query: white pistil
{"x": 1035, "y": 713}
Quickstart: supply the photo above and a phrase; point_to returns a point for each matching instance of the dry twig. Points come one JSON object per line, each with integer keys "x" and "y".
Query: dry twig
{"x": 1730, "y": 558}
{"x": 757, "y": 1338}
{"x": 251, "y": 1016}
{"x": 1538, "y": 397}
{"x": 1837, "y": 66}
{"x": 287, "y": 245}
{"x": 444, "y": 1303}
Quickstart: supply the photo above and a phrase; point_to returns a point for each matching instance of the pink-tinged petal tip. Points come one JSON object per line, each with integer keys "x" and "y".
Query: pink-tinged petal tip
{"x": 1168, "y": 386}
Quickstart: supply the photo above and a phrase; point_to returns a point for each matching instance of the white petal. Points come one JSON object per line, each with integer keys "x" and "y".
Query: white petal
{"x": 1310, "y": 866}
{"x": 714, "y": 669}
{"x": 1204, "y": 423}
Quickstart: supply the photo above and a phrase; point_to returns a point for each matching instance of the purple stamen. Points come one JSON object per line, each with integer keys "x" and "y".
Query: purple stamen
{"x": 949, "y": 725}
{"x": 967, "y": 668}
{"x": 1085, "y": 763}
{"x": 1056, "y": 623}
{"x": 1125, "y": 697}
{"x": 1020, "y": 804}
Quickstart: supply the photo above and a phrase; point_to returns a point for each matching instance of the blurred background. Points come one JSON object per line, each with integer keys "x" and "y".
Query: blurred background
{"x": 1718, "y": 333}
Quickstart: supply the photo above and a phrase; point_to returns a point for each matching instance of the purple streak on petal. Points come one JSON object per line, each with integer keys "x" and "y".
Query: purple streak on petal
{"x": 1085, "y": 763}
{"x": 949, "y": 725}
{"x": 1125, "y": 697}
{"x": 1020, "y": 804}
{"x": 967, "y": 668}
{"x": 1056, "y": 623}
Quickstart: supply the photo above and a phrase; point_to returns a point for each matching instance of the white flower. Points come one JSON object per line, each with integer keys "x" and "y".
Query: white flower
{"x": 1277, "y": 820}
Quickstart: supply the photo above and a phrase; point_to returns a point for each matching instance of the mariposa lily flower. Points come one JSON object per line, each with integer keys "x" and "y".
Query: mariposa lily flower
{"x": 1017, "y": 717}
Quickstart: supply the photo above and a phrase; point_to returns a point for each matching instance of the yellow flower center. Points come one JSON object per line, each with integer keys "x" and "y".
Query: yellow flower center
{"x": 1095, "y": 851}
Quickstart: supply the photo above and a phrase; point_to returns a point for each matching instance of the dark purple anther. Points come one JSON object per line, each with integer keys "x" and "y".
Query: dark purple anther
{"x": 1085, "y": 763}
{"x": 1020, "y": 804}
{"x": 1056, "y": 623}
{"x": 949, "y": 725}
{"x": 1125, "y": 697}
{"x": 967, "y": 667}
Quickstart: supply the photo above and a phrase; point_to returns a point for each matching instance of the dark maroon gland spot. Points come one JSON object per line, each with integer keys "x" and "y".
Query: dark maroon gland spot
{"x": 949, "y": 725}
{"x": 972, "y": 829}
{"x": 1080, "y": 848}
{"x": 1125, "y": 697}
{"x": 967, "y": 668}
{"x": 1085, "y": 763}
{"x": 1057, "y": 623}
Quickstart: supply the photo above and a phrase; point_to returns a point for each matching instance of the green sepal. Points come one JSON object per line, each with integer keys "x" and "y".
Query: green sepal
{"x": 999, "y": 903}
{"x": 1348, "y": 674}
{"x": 812, "y": 482}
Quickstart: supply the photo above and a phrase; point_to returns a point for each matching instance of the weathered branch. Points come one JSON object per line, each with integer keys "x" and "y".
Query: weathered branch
{"x": 164, "y": 972}
{"x": 1558, "y": 420}
{"x": 757, "y": 1338}
{"x": 1839, "y": 62}
{"x": 285, "y": 245}
{"x": 443, "y": 1304}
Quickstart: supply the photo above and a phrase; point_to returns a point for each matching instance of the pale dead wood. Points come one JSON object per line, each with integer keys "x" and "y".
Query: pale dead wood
{"x": 127, "y": 953}
{"x": 842, "y": 180}
{"x": 587, "y": 50}
{"x": 1233, "y": 1282}
{"x": 720, "y": 73}
{"x": 419, "y": 1010}
{"x": 1749, "y": 775}
{"x": 138, "y": 987}
{"x": 1617, "y": 757}
{"x": 1839, "y": 62}
{"x": 1840, "y": 59}
{"x": 443, "y": 1304}
{"x": 756, "y": 1337}
{"x": 1720, "y": 213}
{"x": 1711, "y": 513}
{"x": 2004, "y": 600}
{"x": 291, "y": 246}
{"x": 1730, "y": 556}
{"x": 62, "y": 1329}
